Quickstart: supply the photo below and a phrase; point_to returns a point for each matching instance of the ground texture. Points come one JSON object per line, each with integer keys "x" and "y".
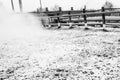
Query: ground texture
{"x": 61, "y": 55}
{"x": 29, "y": 52}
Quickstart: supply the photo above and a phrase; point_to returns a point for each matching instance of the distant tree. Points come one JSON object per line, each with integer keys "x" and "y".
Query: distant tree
{"x": 108, "y": 5}
{"x": 56, "y": 7}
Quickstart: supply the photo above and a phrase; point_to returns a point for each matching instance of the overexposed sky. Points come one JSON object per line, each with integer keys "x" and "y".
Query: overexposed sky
{"x": 30, "y": 5}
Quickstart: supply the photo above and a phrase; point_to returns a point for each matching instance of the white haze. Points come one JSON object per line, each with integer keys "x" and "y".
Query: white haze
{"x": 13, "y": 25}
{"x": 31, "y": 5}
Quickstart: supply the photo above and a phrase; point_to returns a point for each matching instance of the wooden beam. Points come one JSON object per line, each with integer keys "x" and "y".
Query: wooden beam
{"x": 90, "y": 23}
{"x": 89, "y": 13}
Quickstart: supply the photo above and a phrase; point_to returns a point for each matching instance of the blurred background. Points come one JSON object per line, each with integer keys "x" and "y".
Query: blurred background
{"x": 32, "y": 5}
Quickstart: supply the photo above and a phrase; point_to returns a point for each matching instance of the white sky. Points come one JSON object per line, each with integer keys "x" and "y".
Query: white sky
{"x": 30, "y": 5}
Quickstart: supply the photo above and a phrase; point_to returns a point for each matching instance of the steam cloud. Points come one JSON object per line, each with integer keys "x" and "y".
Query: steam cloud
{"x": 19, "y": 25}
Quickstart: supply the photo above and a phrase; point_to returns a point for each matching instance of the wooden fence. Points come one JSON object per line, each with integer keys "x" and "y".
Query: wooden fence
{"x": 85, "y": 17}
{"x": 72, "y": 11}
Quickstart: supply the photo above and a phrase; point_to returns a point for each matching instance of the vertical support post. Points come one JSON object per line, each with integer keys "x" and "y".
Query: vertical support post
{"x": 58, "y": 21}
{"x": 85, "y": 17}
{"x": 12, "y": 5}
{"x": 103, "y": 17}
{"x": 59, "y": 26}
{"x": 49, "y": 19}
{"x": 70, "y": 21}
{"x": 69, "y": 16}
{"x": 58, "y": 18}
{"x": 46, "y": 9}
{"x": 70, "y": 13}
{"x": 60, "y": 9}
{"x": 72, "y": 9}
{"x": 37, "y": 10}
{"x": 20, "y": 4}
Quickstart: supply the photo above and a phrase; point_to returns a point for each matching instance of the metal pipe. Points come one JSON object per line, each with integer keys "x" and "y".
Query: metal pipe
{"x": 20, "y": 4}
{"x": 40, "y": 4}
{"x": 12, "y": 5}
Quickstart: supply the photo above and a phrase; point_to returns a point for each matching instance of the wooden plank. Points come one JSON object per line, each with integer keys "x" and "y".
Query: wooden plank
{"x": 116, "y": 19}
{"x": 74, "y": 23}
{"x": 90, "y": 25}
{"x": 113, "y": 24}
{"x": 74, "y": 11}
{"x": 49, "y": 13}
{"x": 108, "y": 18}
{"x": 81, "y": 10}
{"x": 97, "y": 17}
{"x": 90, "y": 13}
{"x": 95, "y": 23}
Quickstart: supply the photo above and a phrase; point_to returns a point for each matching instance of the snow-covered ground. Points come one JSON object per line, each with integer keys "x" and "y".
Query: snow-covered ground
{"x": 30, "y": 52}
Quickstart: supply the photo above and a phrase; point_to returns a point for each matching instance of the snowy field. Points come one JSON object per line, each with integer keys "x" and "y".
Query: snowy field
{"x": 30, "y": 52}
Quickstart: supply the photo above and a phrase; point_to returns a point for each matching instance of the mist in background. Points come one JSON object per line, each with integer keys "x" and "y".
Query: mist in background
{"x": 32, "y": 5}
{"x": 23, "y": 25}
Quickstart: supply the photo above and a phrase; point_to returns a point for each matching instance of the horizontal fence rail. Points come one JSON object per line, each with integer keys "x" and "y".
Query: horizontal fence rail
{"x": 103, "y": 17}
{"x": 90, "y": 13}
{"x": 60, "y": 11}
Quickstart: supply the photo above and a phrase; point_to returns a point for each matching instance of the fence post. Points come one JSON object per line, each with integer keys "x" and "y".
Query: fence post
{"x": 60, "y": 9}
{"x": 59, "y": 25}
{"x": 58, "y": 19}
{"x": 49, "y": 21}
{"x": 85, "y": 17}
{"x": 72, "y": 9}
{"x": 70, "y": 21}
{"x": 69, "y": 16}
{"x": 46, "y": 9}
{"x": 103, "y": 17}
